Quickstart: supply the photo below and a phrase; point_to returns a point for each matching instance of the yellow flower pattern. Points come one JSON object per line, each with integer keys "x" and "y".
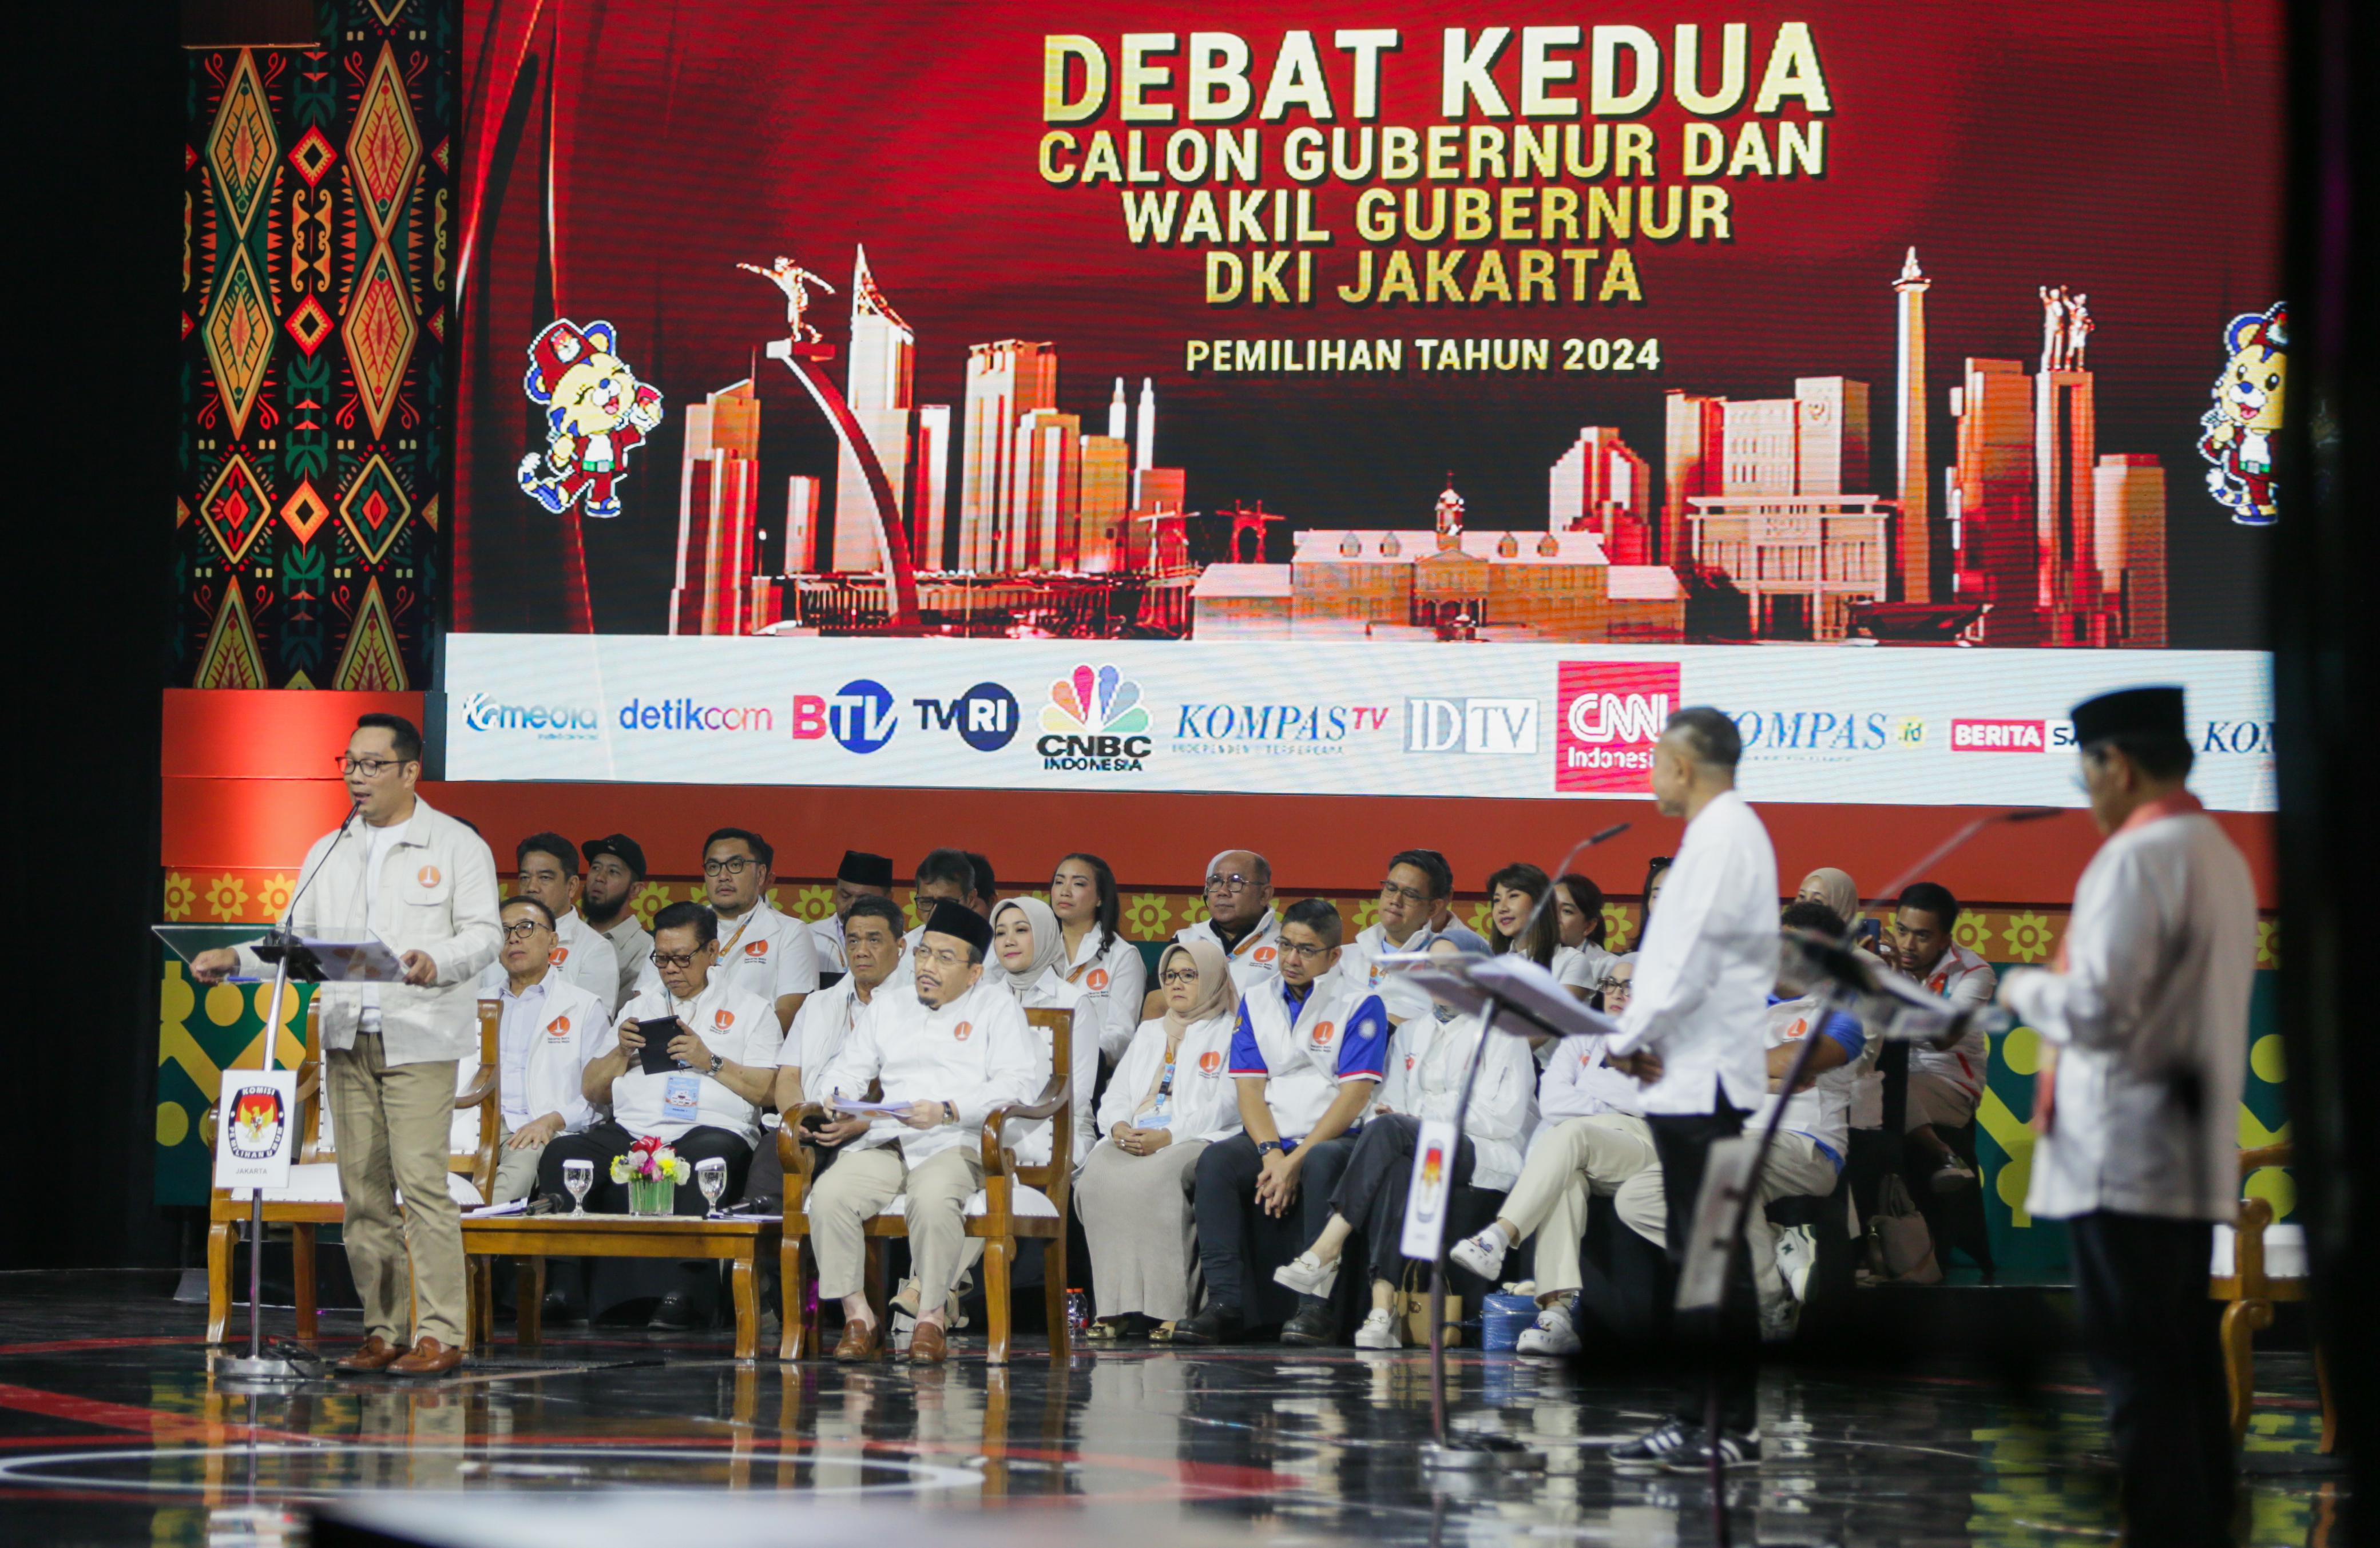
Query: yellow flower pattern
{"x": 227, "y": 898}
{"x": 813, "y": 902}
{"x": 1619, "y": 925}
{"x": 181, "y": 896}
{"x": 2268, "y": 943}
{"x": 272, "y": 893}
{"x": 1146, "y": 916}
{"x": 650, "y": 899}
{"x": 1366, "y": 913}
{"x": 2027, "y": 937}
{"x": 1974, "y": 931}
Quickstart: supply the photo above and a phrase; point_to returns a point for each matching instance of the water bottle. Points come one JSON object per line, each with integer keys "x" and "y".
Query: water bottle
{"x": 1078, "y": 1314}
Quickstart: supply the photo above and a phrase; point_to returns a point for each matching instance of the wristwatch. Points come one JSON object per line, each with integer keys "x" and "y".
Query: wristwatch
{"x": 718, "y": 1062}
{"x": 1266, "y": 1147}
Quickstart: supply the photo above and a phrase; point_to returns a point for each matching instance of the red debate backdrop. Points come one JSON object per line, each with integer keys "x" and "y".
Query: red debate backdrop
{"x": 619, "y": 161}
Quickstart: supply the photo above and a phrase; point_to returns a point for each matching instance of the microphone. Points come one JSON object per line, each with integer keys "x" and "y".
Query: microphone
{"x": 1528, "y": 925}
{"x": 281, "y": 933}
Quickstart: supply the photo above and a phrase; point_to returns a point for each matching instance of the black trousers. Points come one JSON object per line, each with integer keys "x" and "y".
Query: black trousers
{"x": 1728, "y": 1345}
{"x": 1239, "y": 1244}
{"x": 2139, "y": 1290}
{"x": 600, "y": 1143}
{"x": 1371, "y": 1192}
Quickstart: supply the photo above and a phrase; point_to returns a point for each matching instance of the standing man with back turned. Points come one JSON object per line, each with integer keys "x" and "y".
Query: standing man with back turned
{"x": 425, "y": 884}
{"x": 1696, "y": 1035}
{"x": 2148, "y": 1023}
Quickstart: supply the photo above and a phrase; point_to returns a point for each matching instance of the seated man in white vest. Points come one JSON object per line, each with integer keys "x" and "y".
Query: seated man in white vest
{"x": 615, "y": 868}
{"x": 1807, "y": 1157}
{"x": 761, "y": 951}
{"x": 1308, "y": 1056}
{"x": 947, "y": 1054}
{"x": 1419, "y": 880}
{"x": 870, "y": 938}
{"x": 723, "y": 1046}
{"x": 547, "y": 871}
{"x": 548, "y": 1023}
{"x": 861, "y": 875}
{"x": 1240, "y": 922}
{"x": 1946, "y": 1084}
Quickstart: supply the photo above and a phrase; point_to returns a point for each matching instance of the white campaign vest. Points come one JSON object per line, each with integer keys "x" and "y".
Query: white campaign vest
{"x": 1300, "y": 1057}
{"x": 1822, "y": 1112}
{"x": 572, "y": 1026}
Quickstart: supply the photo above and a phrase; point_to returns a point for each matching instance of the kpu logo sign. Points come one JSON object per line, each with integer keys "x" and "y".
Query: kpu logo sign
{"x": 1610, "y": 714}
{"x": 984, "y": 716}
{"x": 1491, "y": 726}
{"x": 1094, "y": 723}
{"x": 860, "y": 715}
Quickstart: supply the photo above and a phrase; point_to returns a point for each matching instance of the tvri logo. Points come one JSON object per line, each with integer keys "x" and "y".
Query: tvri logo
{"x": 1471, "y": 725}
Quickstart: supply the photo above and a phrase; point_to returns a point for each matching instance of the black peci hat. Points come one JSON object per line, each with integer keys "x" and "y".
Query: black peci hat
{"x": 957, "y": 919}
{"x": 2130, "y": 712}
{"x": 863, "y": 869}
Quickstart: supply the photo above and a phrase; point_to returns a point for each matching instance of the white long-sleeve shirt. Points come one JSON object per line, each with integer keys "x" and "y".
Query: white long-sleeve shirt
{"x": 1204, "y": 1103}
{"x": 581, "y": 955}
{"x": 2150, "y": 1018}
{"x": 976, "y": 1053}
{"x": 1115, "y": 981}
{"x": 733, "y": 1024}
{"x": 1052, "y": 992}
{"x": 544, "y": 1039}
{"x": 1359, "y": 968}
{"x": 1966, "y": 981}
{"x": 1700, "y": 999}
{"x": 1578, "y": 1083}
{"x": 1426, "y": 1059}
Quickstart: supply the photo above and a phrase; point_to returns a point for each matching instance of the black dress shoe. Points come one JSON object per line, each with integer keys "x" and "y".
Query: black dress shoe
{"x": 1215, "y": 1325}
{"x": 1312, "y": 1325}
{"x": 674, "y": 1314}
{"x": 561, "y": 1306}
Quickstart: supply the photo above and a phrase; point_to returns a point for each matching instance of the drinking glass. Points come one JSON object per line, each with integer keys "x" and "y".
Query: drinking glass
{"x": 578, "y": 1176}
{"x": 710, "y": 1176}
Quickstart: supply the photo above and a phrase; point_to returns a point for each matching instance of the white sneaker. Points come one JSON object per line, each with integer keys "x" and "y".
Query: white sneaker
{"x": 1379, "y": 1332}
{"x": 1307, "y": 1274}
{"x": 1482, "y": 1255}
{"x": 1797, "y": 1254}
{"x": 1552, "y": 1333}
{"x": 1951, "y": 1174}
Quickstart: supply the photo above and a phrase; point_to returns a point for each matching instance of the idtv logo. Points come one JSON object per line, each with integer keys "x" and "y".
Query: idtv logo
{"x": 1608, "y": 713}
{"x": 860, "y": 715}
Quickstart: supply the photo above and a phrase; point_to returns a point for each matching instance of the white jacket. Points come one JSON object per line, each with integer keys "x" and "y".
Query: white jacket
{"x": 1050, "y": 992}
{"x": 1579, "y": 1083}
{"x": 732, "y": 1023}
{"x": 1427, "y": 1059}
{"x": 1822, "y": 1112}
{"x": 1206, "y": 1099}
{"x": 976, "y": 1053}
{"x": 566, "y": 1026}
{"x": 1255, "y": 960}
{"x": 1965, "y": 980}
{"x": 1115, "y": 981}
{"x": 1701, "y": 990}
{"x": 580, "y": 954}
{"x": 435, "y": 893}
{"x": 2151, "y": 1023}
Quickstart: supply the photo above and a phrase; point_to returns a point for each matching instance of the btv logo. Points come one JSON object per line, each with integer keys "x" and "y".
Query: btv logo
{"x": 1471, "y": 725}
{"x": 860, "y": 716}
{"x": 1611, "y": 713}
{"x": 986, "y": 716}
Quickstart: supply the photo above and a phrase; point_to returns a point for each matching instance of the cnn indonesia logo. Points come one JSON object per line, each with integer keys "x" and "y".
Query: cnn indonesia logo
{"x": 1610, "y": 714}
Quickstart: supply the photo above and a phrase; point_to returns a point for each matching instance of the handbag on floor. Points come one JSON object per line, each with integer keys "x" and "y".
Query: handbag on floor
{"x": 1899, "y": 1244}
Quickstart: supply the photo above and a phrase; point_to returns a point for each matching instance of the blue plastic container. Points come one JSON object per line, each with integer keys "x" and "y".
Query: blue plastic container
{"x": 1503, "y": 1318}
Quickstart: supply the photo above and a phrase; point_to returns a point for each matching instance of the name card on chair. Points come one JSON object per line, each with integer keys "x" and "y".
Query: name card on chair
{"x": 256, "y": 1135}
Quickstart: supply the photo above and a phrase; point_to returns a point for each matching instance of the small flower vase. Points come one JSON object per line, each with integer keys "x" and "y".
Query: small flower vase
{"x": 651, "y": 1196}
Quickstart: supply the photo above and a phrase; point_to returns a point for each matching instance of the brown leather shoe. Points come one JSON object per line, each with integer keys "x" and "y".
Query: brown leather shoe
{"x": 926, "y": 1345}
{"x": 857, "y": 1343}
{"x": 429, "y": 1358}
{"x": 371, "y": 1356}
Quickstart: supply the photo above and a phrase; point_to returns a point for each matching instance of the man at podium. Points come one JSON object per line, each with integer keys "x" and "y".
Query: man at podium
{"x": 426, "y": 885}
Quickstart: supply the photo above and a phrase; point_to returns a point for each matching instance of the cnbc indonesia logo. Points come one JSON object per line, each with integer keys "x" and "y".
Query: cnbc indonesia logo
{"x": 1094, "y": 723}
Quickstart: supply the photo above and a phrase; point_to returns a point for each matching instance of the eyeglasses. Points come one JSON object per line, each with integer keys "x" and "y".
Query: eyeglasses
{"x": 1303, "y": 951}
{"x": 1233, "y": 883}
{"x": 1611, "y": 986}
{"x": 1390, "y": 890}
{"x": 1178, "y": 975}
{"x": 370, "y": 768}
{"x": 677, "y": 959}
{"x": 521, "y": 929}
{"x": 733, "y": 866}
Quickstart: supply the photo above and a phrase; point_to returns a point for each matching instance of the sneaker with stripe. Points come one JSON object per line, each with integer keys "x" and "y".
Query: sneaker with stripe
{"x": 1654, "y": 1448}
{"x": 1737, "y": 1448}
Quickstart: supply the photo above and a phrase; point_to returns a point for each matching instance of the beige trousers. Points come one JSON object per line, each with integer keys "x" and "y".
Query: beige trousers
{"x": 1939, "y": 1100}
{"x": 394, "y": 1125}
{"x": 857, "y": 1188}
{"x": 1574, "y": 1159}
{"x": 1795, "y": 1168}
{"x": 516, "y": 1169}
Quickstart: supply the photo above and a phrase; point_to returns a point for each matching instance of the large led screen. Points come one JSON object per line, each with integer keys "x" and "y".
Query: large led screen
{"x": 1889, "y": 375}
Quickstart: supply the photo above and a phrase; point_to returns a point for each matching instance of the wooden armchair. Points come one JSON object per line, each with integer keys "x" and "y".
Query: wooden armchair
{"x": 311, "y": 1199}
{"x": 1016, "y": 1202}
{"x": 2252, "y": 1271}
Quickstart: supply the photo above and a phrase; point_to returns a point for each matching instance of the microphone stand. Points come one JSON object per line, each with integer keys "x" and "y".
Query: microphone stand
{"x": 282, "y": 943}
{"x": 1470, "y": 1452}
{"x": 1740, "y": 1220}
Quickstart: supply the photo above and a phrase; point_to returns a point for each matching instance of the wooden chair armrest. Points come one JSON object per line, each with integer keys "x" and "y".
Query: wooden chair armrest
{"x": 309, "y": 1086}
{"x": 2248, "y": 1247}
{"x": 1051, "y": 1102}
{"x": 482, "y": 1087}
{"x": 800, "y": 1160}
{"x": 2265, "y": 1155}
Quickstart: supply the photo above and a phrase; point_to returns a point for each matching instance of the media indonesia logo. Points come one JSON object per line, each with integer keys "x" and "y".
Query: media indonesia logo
{"x": 1094, "y": 723}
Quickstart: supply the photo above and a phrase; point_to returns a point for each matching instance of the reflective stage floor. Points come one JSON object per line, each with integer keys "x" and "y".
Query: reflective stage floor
{"x": 111, "y": 1433}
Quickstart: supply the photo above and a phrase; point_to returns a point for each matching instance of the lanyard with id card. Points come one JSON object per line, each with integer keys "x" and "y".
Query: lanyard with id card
{"x": 1161, "y": 1108}
{"x": 682, "y": 1098}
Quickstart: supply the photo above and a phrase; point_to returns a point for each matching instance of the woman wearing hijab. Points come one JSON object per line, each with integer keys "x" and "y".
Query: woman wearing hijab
{"x": 1172, "y": 1095}
{"x": 1028, "y": 951}
{"x": 1836, "y": 889}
